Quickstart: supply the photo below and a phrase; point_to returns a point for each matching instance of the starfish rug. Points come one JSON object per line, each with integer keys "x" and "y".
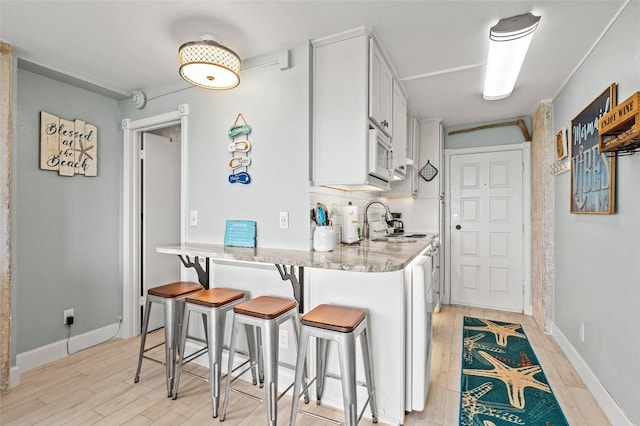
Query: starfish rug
{"x": 502, "y": 380}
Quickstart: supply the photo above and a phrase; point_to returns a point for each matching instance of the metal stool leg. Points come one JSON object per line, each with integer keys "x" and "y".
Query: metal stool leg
{"x": 322, "y": 355}
{"x": 232, "y": 350}
{"x": 181, "y": 346}
{"x": 368, "y": 371}
{"x": 298, "y": 384}
{"x": 143, "y": 338}
{"x": 305, "y": 375}
{"x": 170, "y": 324}
{"x": 347, "y": 350}
{"x": 270, "y": 341}
{"x": 215, "y": 337}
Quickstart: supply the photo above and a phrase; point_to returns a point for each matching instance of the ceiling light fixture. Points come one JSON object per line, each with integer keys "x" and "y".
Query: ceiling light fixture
{"x": 207, "y": 64}
{"x": 509, "y": 41}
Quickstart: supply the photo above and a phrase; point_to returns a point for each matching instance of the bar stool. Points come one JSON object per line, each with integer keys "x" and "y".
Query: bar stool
{"x": 213, "y": 304}
{"x": 341, "y": 325}
{"x": 171, "y": 296}
{"x": 267, "y": 314}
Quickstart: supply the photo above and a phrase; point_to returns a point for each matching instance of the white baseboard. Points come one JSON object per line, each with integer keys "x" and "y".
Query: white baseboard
{"x": 609, "y": 405}
{"x": 33, "y": 358}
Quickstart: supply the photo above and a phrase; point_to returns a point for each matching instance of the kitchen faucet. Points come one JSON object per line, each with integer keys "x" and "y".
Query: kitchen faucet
{"x": 387, "y": 216}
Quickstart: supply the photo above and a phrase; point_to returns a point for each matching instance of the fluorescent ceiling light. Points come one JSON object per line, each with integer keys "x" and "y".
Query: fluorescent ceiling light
{"x": 509, "y": 41}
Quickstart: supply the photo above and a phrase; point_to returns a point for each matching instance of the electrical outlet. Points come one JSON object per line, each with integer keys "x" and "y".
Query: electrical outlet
{"x": 67, "y": 313}
{"x": 193, "y": 218}
{"x": 284, "y": 220}
{"x": 582, "y": 332}
{"x": 284, "y": 339}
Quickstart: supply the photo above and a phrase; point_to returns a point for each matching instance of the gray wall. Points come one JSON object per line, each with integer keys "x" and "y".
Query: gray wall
{"x": 597, "y": 257}
{"x": 276, "y": 105}
{"x": 66, "y": 230}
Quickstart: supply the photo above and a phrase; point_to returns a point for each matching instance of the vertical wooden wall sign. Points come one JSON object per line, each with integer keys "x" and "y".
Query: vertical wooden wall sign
{"x": 70, "y": 147}
{"x": 593, "y": 174}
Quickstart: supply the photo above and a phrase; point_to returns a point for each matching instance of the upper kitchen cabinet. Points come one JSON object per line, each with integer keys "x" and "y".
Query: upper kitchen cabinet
{"x": 409, "y": 186}
{"x": 352, "y": 121}
{"x": 432, "y": 150}
{"x": 399, "y": 134}
{"x": 381, "y": 87}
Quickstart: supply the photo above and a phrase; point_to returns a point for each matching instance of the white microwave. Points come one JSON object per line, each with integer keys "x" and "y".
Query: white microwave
{"x": 380, "y": 156}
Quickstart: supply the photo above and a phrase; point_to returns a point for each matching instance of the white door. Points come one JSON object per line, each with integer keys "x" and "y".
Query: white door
{"x": 160, "y": 216}
{"x": 487, "y": 230}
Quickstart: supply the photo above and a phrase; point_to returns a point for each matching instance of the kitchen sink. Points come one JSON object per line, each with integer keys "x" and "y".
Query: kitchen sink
{"x": 398, "y": 240}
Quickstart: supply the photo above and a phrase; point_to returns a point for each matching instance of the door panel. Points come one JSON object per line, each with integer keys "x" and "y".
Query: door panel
{"x": 486, "y": 230}
{"x": 160, "y": 215}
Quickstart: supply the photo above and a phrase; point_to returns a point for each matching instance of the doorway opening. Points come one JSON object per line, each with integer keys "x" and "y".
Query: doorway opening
{"x": 147, "y": 208}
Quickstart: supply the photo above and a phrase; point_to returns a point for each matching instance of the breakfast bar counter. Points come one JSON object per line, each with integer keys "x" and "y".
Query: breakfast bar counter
{"x": 381, "y": 255}
{"x": 374, "y": 276}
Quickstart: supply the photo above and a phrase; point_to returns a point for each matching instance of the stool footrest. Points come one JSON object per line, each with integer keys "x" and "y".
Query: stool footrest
{"x": 187, "y": 359}
{"x": 318, "y": 416}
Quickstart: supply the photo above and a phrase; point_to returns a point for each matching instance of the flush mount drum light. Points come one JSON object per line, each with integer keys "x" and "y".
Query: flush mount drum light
{"x": 509, "y": 41}
{"x": 207, "y": 64}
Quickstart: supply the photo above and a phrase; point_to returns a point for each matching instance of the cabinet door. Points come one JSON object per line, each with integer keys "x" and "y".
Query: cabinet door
{"x": 415, "y": 154}
{"x": 399, "y": 137}
{"x": 380, "y": 90}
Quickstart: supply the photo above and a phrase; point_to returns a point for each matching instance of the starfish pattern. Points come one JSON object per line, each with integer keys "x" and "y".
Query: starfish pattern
{"x": 83, "y": 151}
{"x": 472, "y": 406}
{"x": 515, "y": 379}
{"x": 502, "y": 332}
{"x": 471, "y": 347}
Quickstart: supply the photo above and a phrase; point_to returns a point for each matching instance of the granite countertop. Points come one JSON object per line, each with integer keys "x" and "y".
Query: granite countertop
{"x": 385, "y": 255}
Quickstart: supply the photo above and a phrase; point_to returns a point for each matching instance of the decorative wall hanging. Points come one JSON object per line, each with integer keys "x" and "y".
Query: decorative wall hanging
{"x": 619, "y": 131}
{"x": 428, "y": 172}
{"x": 239, "y": 148}
{"x": 70, "y": 147}
{"x": 592, "y": 172}
{"x": 561, "y": 164}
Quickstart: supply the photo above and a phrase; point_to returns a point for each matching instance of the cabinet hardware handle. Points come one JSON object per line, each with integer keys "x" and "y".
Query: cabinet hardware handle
{"x": 458, "y": 227}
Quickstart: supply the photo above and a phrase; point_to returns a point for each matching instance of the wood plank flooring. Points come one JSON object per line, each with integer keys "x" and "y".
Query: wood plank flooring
{"x": 96, "y": 386}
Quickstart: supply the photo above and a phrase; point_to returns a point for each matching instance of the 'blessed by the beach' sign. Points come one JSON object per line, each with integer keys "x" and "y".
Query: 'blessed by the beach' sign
{"x": 70, "y": 147}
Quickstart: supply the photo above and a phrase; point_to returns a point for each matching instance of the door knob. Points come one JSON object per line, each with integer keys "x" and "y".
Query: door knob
{"x": 458, "y": 227}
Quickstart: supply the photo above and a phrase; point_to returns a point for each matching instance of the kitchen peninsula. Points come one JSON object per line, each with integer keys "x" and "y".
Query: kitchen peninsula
{"x": 374, "y": 276}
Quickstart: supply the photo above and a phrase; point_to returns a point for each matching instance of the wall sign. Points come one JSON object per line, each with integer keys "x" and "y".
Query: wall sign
{"x": 70, "y": 147}
{"x": 240, "y": 233}
{"x": 592, "y": 172}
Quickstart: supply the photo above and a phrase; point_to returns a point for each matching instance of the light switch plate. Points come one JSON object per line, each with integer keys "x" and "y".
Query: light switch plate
{"x": 193, "y": 218}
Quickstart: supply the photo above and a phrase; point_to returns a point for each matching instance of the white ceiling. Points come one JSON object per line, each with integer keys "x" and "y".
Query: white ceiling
{"x": 127, "y": 45}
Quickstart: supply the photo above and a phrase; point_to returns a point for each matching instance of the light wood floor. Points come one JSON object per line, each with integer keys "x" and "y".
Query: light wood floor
{"x": 96, "y": 386}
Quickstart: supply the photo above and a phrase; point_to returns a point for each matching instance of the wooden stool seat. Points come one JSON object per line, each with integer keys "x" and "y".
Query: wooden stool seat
{"x": 215, "y": 297}
{"x": 335, "y": 318}
{"x": 176, "y": 289}
{"x": 265, "y": 307}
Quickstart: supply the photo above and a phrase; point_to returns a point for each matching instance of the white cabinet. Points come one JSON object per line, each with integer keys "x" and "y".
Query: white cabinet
{"x": 399, "y": 134}
{"x": 347, "y": 102}
{"x": 380, "y": 89}
{"x": 431, "y": 149}
{"x": 409, "y": 186}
